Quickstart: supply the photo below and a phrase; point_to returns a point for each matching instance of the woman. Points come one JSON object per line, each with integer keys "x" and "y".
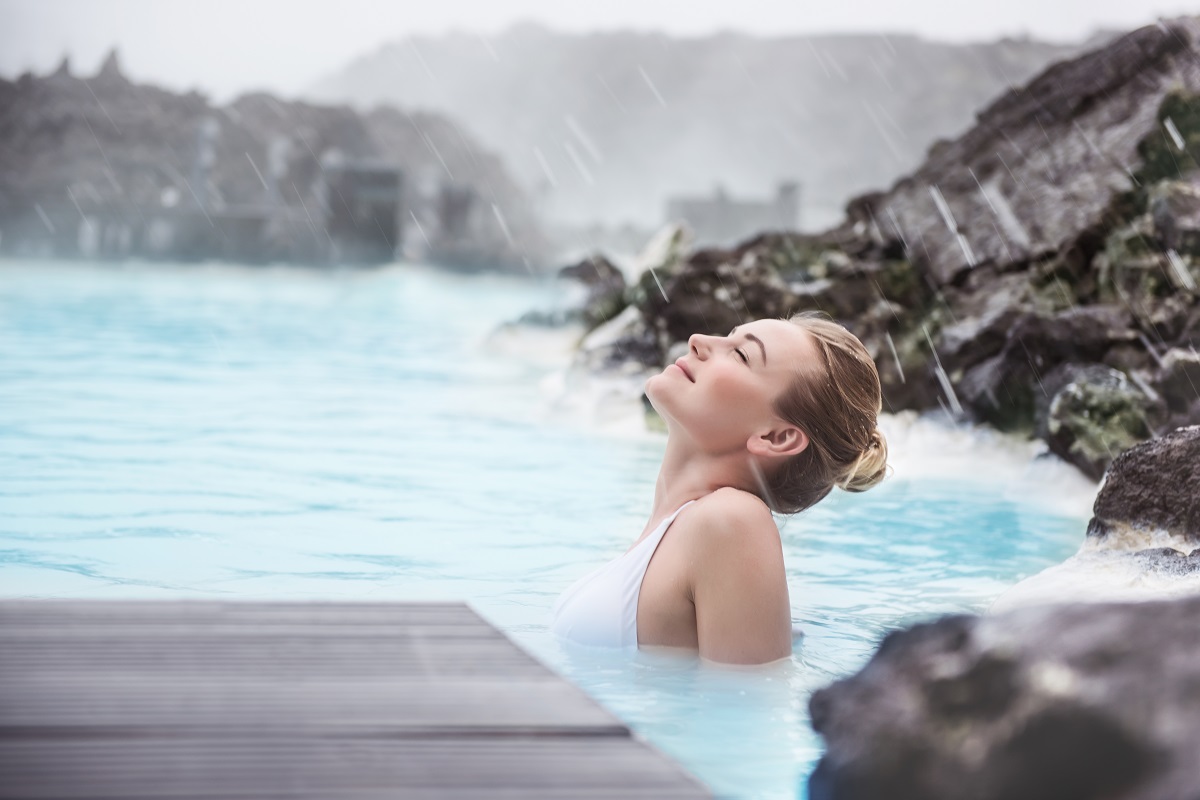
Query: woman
{"x": 768, "y": 418}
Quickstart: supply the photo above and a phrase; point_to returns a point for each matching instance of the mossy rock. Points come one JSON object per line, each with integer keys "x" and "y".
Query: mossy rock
{"x": 793, "y": 257}
{"x": 1162, "y": 158}
{"x": 1097, "y": 415}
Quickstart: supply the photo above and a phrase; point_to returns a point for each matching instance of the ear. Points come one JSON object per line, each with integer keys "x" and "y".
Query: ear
{"x": 781, "y": 442}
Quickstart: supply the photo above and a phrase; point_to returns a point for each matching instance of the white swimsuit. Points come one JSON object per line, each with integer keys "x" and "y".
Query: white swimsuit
{"x": 600, "y": 609}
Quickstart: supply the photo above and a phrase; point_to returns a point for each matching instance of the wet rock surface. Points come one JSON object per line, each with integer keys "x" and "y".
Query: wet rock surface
{"x": 1078, "y": 701}
{"x": 1094, "y": 414}
{"x": 605, "y": 285}
{"x": 1153, "y": 487}
{"x": 1084, "y": 700}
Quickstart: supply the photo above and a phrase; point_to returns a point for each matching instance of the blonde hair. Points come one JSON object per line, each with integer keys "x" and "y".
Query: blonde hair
{"x": 837, "y": 403}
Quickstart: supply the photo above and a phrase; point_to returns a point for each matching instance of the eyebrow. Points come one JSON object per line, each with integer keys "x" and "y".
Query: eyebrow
{"x": 757, "y": 341}
{"x": 761, "y": 346}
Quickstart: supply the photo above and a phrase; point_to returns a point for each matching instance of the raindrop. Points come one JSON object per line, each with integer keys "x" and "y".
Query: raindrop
{"x": 1181, "y": 271}
{"x": 652, "y": 87}
{"x": 503, "y": 223}
{"x": 71, "y": 194}
{"x": 584, "y": 139}
{"x": 1171, "y": 129}
{"x": 896, "y": 224}
{"x": 45, "y": 219}
{"x": 420, "y": 230}
{"x": 584, "y": 172}
{"x": 943, "y": 378}
{"x": 658, "y": 283}
{"x": 545, "y": 165}
{"x": 896, "y": 356}
{"x": 1145, "y": 387}
{"x": 102, "y": 108}
{"x": 258, "y": 173}
{"x": 488, "y": 47}
{"x": 432, "y": 147}
{"x": 612, "y": 94}
{"x": 948, "y": 218}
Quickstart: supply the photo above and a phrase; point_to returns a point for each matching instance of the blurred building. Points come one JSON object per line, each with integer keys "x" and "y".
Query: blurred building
{"x": 355, "y": 219}
{"x": 361, "y": 204}
{"x": 722, "y": 220}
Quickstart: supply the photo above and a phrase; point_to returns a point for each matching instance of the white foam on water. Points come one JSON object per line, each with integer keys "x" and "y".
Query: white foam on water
{"x": 548, "y": 347}
{"x": 929, "y": 446}
{"x": 607, "y": 402}
{"x": 1098, "y": 576}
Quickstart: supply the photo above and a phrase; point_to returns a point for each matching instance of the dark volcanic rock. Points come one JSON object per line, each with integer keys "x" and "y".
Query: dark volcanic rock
{"x": 605, "y": 289}
{"x": 984, "y": 317}
{"x": 1153, "y": 487}
{"x": 1175, "y": 210}
{"x": 1005, "y": 388}
{"x": 1088, "y": 702}
{"x": 712, "y": 292}
{"x": 1094, "y": 414}
{"x": 1178, "y": 382}
{"x": 1044, "y": 163}
{"x": 1142, "y": 540}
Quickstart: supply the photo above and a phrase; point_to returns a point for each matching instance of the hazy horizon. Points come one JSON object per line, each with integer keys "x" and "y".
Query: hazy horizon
{"x": 271, "y": 45}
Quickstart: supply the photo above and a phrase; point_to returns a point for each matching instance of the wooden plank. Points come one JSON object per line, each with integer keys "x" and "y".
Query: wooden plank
{"x": 277, "y": 656}
{"x": 194, "y": 699}
{"x": 125, "y": 613}
{"x": 463, "y": 767}
{"x": 375, "y": 704}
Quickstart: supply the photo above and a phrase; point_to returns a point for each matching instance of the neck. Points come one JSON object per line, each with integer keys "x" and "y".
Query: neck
{"x": 688, "y": 473}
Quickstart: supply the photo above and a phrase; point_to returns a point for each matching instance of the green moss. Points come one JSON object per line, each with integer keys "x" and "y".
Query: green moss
{"x": 1103, "y": 421}
{"x": 793, "y": 260}
{"x": 900, "y": 283}
{"x": 1161, "y": 157}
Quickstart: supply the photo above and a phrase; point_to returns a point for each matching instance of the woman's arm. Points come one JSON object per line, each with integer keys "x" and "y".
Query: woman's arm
{"x": 737, "y": 578}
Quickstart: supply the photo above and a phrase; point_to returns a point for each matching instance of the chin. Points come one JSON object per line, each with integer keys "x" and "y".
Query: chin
{"x": 658, "y": 395}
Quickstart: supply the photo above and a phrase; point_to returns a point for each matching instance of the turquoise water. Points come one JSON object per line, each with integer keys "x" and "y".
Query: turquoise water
{"x": 226, "y": 432}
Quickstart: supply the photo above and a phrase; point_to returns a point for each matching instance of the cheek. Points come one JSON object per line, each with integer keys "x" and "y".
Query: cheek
{"x": 729, "y": 388}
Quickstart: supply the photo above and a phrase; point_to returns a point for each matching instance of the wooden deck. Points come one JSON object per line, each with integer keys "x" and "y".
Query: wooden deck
{"x": 201, "y": 699}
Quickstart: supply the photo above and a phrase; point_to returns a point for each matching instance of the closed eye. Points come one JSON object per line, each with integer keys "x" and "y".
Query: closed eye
{"x": 742, "y": 355}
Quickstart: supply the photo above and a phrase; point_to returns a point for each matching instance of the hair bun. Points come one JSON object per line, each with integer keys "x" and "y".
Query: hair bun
{"x": 871, "y": 466}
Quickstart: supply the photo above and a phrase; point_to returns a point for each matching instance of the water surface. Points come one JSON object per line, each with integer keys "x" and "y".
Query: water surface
{"x": 230, "y": 432}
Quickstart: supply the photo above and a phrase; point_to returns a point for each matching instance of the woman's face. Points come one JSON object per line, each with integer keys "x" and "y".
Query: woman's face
{"x": 723, "y": 391}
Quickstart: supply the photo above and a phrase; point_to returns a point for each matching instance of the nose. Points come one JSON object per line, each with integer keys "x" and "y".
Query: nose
{"x": 700, "y": 345}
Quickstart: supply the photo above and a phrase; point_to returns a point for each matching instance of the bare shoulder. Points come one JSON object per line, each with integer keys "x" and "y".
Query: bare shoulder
{"x": 730, "y": 516}
{"x": 737, "y": 579}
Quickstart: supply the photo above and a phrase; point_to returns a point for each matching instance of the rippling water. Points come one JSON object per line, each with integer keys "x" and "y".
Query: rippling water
{"x": 231, "y": 432}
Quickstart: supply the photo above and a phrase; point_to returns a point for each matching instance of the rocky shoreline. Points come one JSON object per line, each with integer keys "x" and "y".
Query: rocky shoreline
{"x": 1038, "y": 274}
{"x": 1082, "y": 700}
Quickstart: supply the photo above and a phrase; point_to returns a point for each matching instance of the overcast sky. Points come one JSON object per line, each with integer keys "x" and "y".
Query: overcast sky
{"x": 225, "y": 47}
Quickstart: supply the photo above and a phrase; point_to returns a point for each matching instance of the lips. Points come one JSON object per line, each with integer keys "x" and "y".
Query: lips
{"x": 683, "y": 368}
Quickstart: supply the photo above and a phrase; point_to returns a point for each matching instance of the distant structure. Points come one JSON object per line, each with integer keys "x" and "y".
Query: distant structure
{"x": 722, "y": 220}
{"x": 361, "y": 201}
{"x": 258, "y": 181}
{"x": 356, "y": 219}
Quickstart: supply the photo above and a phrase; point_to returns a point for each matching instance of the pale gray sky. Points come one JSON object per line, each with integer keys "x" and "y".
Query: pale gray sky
{"x": 225, "y": 47}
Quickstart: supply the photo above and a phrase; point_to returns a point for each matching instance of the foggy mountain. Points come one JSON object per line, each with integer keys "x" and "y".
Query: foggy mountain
{"x": 605, "y": 127}
{"x": 83, "y": 154}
